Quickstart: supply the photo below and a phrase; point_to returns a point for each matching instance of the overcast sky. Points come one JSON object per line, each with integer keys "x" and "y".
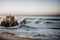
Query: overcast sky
{"x": 29, "y": 7}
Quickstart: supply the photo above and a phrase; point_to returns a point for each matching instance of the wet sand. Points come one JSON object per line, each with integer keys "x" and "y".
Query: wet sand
{"x": 8, "y": 36}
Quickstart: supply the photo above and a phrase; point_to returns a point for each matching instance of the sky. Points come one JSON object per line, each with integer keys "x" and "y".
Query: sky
{"x": 29, "y": 7}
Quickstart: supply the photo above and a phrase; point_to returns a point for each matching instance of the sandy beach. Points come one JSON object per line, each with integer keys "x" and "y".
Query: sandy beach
{"x": 8, "y": 36}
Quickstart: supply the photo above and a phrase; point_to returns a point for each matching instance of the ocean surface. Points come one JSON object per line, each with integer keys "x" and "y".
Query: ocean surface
{"x": 42, "y": 27}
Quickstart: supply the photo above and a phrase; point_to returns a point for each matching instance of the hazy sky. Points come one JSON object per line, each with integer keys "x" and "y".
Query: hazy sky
{"x": 29, "y": 7}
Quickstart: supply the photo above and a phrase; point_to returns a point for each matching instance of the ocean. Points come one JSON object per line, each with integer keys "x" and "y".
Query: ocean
{"x": 42, "y": 27}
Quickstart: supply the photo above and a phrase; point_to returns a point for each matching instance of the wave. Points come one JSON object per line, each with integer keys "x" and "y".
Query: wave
{"x": 53, "y": 19}
{"x": 29, "y": 27}
{"x": 20, "y": 27}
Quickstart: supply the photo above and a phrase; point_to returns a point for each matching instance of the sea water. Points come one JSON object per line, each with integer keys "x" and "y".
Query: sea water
{"x": 44, "y": 29}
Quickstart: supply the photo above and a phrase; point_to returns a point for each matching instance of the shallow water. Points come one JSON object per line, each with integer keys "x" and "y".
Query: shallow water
{"x": 44, "y": 29}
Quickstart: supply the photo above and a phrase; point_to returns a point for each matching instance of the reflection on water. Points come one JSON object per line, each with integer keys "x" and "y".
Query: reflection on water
{"x": 46, "y": 28}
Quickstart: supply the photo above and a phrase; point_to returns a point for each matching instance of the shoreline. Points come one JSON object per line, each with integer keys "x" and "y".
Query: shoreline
{"x": 8, "y": 36}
